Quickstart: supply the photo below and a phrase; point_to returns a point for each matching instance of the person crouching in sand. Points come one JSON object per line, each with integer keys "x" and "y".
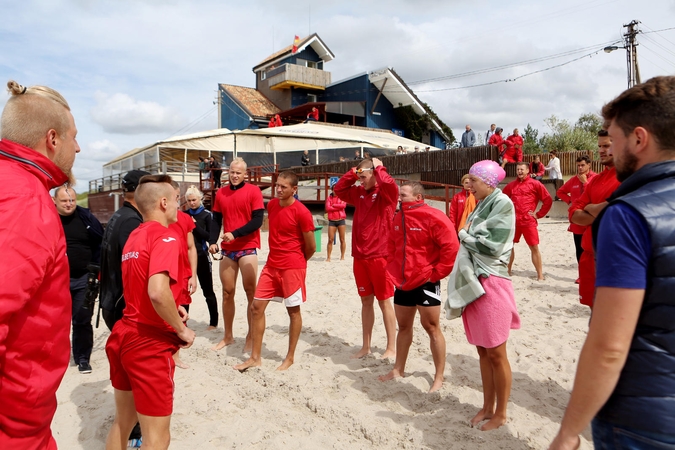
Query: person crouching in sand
{"x": 480, "y": 283}
{"x": 291, "y": 242}
{"x": 421, "y": 252}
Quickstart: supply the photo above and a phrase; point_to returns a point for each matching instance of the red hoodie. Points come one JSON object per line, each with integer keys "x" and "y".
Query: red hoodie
{"x": 335, "y": 208}
{"x": 35, "y": 304}
{"x": 373, "y": 214}
{"x": 514, "y": 148}
{"x": 422, "y": 246}
{"x": 526, "y": 195}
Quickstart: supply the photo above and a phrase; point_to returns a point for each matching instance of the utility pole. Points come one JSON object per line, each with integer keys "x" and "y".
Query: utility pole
{"x": 631, "y": 53}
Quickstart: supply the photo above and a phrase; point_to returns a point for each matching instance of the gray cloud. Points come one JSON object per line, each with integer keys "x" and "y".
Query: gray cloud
{"x": 120, "y": 113}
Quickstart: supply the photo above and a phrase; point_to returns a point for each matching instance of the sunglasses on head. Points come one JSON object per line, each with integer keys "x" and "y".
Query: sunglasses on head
{"x": 361, "y": 170}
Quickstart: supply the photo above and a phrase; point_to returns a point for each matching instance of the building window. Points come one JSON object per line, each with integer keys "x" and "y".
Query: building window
{"x": 312, "y": 65}
{"x": 263, "y": 74}
{"x": 311, "y": 98}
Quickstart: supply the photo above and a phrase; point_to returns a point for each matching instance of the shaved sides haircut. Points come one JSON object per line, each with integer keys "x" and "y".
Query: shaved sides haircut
{"x": 150, "y": 189}
{"x": 31, "y": 112}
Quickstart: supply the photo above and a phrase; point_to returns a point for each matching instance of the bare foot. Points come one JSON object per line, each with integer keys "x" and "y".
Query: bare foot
{"x": 510, "y": 274}
{"x": 285, "y": 364}
{"x": 481, "y": 416}
{"x": 327, "y": 259}
{"x": 361, "y": 353}
{"x": 436, "y": 386}
{"x": 180, "y": 363}
{"x": 541, "y": 278}
{"x": 394, "y": 373}
{"x": 222, "y": 343}
{"x": 243, "y": 367}
{"x": 389, "y": 354}
{"x": 494, "y": 423}
{"x": 210, "y": 328}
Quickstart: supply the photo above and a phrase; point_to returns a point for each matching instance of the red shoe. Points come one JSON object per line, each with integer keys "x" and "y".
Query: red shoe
{"x": 577, "y": 281}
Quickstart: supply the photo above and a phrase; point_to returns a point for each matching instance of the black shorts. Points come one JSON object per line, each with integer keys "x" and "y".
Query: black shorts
{"x": 336, "y": 223}
{"x": 429, "y": 294}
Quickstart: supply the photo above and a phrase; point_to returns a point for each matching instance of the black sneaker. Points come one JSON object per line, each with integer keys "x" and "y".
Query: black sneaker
{"x": 84, "y": 367}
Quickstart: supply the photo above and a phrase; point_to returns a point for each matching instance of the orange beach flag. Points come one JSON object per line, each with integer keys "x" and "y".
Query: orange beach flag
{"x": 296, "y": 41}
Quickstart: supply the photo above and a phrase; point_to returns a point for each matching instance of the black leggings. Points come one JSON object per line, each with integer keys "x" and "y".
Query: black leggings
{"x": 206, "y": 282}
{"x": 577, "y": 245}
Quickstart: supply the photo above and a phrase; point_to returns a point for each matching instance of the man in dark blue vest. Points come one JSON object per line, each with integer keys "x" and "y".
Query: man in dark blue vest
{"x": 625, "y": 381}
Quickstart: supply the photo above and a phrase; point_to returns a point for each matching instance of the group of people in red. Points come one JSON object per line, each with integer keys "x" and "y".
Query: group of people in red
{"x": 399, "y": 253}
{"x": 510, "y": 148}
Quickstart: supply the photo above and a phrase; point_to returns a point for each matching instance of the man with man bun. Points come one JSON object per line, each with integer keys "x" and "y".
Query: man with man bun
{"x": 37, "y": 150}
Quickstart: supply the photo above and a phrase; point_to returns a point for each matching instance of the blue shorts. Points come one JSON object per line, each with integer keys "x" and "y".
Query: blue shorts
{"x": 236, "y": 255}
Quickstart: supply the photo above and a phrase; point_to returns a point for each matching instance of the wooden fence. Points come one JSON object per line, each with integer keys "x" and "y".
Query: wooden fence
{"x": 448, "y": 166}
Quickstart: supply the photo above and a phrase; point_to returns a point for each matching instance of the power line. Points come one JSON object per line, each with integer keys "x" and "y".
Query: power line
{"x": 507, "y": 80}
{"x": 515, "y": 64}
{"x": 193, "y": 123}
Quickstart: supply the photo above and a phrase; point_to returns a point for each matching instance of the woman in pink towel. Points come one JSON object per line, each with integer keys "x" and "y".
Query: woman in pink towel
{"x": 488, "y": 319}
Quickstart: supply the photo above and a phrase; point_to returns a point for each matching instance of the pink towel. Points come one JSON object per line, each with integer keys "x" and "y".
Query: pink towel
{"x": 487, "y": 321}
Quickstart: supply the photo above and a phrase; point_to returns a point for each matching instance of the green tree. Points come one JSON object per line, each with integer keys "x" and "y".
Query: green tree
{"x": 590, "y": 122}
{"x": 565, "y": 137}
{"x": 530, "y": 140}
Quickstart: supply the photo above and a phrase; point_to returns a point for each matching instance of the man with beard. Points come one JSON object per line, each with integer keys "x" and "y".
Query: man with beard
{"x": 37, "y": 150}
{"x": 624, "y": 381}
{"x": 584, "y": 211}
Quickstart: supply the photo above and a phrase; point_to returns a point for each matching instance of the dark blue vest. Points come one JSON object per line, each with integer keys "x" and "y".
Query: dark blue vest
{"x": 644, "y": 397}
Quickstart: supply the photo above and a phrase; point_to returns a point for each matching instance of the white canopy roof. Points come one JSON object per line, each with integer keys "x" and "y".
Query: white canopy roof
{"x": 309, "y": 136}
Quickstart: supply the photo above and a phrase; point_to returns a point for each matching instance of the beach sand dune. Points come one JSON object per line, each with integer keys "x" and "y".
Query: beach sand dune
{"x": 327, "y": 400}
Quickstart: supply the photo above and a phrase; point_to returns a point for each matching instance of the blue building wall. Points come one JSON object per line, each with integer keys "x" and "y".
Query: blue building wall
{"x": 231, "y": 115}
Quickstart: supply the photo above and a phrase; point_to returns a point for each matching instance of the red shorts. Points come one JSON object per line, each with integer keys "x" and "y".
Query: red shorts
{"x": 282, "y": 285}
{"x": 142, "y": 363}
{"x": 531, "y": 235}
{"x": 371, "y": 278}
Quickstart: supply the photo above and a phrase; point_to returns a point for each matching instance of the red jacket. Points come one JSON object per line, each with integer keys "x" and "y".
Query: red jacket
{"x": 596, "y": 191}
{"x": 35, "y": 304}
{"x": 497, "y": 141}
{"x": 569, "y": 193}
{"x": 335, "y": 208}
{"x": 373, "y": 214}
{"x": 422, "y": 246}
{"x": 540, "y": 172}
{"x": 457, "y": 207}
{"x": 525, "y": 196}
{"x": 514, "y": 148}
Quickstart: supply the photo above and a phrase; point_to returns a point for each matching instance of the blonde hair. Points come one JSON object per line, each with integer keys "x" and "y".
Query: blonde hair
{"x": 31, "y": 112}
{"x": 192, "y": 190}
{"x": 239, "y": 161}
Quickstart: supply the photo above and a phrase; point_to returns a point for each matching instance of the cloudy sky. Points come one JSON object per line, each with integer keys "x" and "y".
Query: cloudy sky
{"x": 137, "y": 71}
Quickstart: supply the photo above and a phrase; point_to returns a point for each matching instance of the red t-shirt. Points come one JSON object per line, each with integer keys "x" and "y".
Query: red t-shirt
{"x": 182, "y": 227}
{"x": 150, "y": 249}
{"x": 237, "y": 207}
{"x": 286, "y": 241}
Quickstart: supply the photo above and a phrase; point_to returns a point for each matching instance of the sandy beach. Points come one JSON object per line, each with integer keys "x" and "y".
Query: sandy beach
{"x": 327, "y": 400}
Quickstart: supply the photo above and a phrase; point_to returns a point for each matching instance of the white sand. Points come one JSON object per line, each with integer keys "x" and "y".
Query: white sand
{"x": 327, "y": 400}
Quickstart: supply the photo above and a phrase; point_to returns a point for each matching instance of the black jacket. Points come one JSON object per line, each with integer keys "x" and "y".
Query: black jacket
{"x": 121, "y": 224}
{"x": 95, "y": 231}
